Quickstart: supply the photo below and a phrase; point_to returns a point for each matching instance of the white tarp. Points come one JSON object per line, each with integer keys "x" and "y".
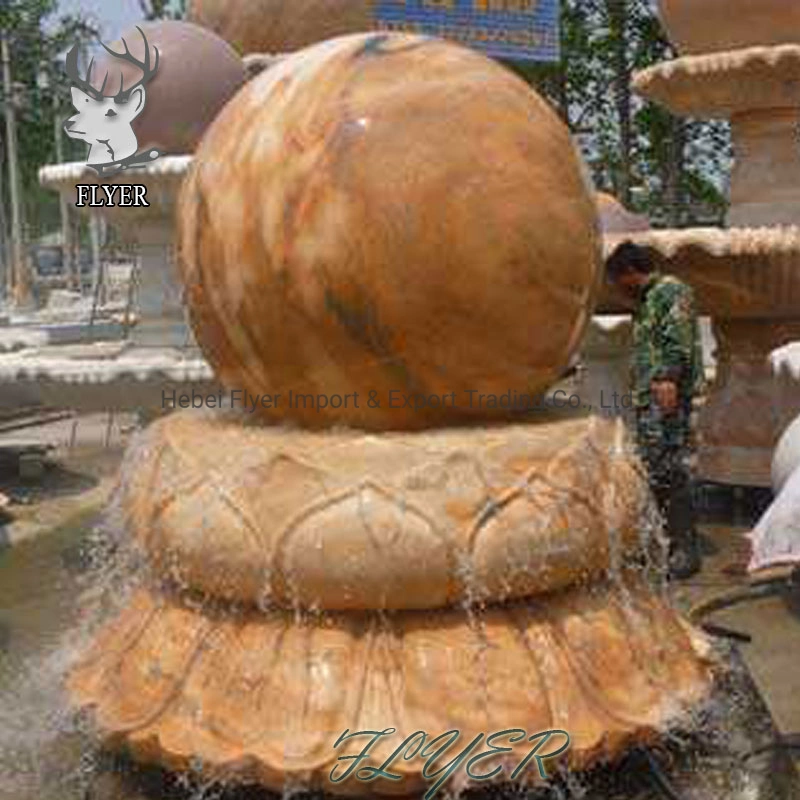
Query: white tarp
{"x": 776, "y": 537}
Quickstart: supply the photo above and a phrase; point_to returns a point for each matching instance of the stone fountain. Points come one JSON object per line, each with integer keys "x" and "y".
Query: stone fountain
{"x": 740, "y": 62}
{"x": 350, "y": 562}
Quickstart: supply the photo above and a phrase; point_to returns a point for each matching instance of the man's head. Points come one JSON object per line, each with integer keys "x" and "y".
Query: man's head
{"x": 629, "y": 267}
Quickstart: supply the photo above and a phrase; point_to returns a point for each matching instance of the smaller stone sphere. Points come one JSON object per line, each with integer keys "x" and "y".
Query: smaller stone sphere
{"x": 198, "y": 72}
{"x": 281, "y": 26}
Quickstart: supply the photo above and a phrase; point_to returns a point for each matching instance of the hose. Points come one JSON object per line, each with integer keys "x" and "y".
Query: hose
{"x": 757, "y": 590}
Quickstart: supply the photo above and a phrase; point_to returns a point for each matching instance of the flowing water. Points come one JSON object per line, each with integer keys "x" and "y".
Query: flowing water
{"x": 51, "y": 589}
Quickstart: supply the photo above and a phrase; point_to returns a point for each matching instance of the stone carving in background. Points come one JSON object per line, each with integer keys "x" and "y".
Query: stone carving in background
{"x": 745, "y": 277}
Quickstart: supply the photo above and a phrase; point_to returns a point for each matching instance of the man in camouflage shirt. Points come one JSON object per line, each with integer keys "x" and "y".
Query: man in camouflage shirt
{"x": 666, "y": 372}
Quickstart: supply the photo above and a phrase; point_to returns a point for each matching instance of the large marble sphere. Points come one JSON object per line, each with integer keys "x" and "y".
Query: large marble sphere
{"x": 708, "y": 26}
{"x": 198, "y": 72}
{"x": 281, "y": 26}
{"x": 386, "y": 213}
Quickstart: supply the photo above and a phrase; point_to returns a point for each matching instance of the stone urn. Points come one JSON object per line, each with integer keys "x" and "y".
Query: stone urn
{"x": 708, "y": 26}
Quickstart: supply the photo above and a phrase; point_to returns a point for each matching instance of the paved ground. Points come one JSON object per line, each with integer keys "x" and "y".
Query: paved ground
{"x": 773, "y": 654}
{"x": 78, "y": 472}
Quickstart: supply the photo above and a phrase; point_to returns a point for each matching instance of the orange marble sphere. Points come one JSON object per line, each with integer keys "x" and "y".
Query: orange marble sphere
{"x": 388, "y": 213}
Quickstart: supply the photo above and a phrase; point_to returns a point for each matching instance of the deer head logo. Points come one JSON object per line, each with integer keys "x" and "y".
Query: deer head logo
{"x": 105, "y": 114}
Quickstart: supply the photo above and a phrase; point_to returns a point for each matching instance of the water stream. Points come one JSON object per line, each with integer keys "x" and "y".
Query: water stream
{"x": 50, "y": 590}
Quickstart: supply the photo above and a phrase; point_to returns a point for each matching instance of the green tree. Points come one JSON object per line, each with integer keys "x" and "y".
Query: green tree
{"x": 163, "y": 9}
{"x": 670, "y": 168}
{"x": 40, "y": 98}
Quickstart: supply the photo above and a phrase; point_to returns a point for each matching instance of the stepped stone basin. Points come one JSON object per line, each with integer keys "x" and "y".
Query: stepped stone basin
{"x": 704, "y": 26}
{"x": 746, "y": 280}
{"x": 470, "y": 579}
{"x": 758, "y": 90}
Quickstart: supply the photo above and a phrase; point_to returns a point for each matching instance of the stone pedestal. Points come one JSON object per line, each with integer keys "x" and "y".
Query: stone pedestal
{"x": 159, "y": 294}
{"x": 158, "y": 306}
{"x": 765, "y": 182}
{"x": 605, "y": 366}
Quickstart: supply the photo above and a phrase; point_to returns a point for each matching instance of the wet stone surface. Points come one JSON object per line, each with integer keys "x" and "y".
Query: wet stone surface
{"x": 45, "y": 756}
{"x": 733, "y": 755}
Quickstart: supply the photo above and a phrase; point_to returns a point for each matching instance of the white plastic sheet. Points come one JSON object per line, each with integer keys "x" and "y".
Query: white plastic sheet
{"x": 776, "y": 537}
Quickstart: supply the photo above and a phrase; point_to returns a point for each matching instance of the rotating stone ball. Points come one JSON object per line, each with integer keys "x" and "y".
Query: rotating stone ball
{"x": 388, "y": 213}
{"x": 198, "y": 72}
{"x": 280, "y": 26}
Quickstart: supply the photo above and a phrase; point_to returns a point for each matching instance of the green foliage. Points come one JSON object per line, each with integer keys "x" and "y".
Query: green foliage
{"x": 163, "y": 9}
{"x": 39, "y": 97}
{"x": 672, "y": 169}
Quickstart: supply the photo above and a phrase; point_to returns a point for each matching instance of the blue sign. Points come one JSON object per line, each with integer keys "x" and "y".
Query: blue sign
{"x": 519, "y": 30}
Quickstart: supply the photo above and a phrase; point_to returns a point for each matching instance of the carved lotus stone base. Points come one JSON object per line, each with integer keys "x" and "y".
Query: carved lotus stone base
{"x": 264, "y": 697}
{"x": 324, "y": 519}
{"x": 300, "y": 584}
